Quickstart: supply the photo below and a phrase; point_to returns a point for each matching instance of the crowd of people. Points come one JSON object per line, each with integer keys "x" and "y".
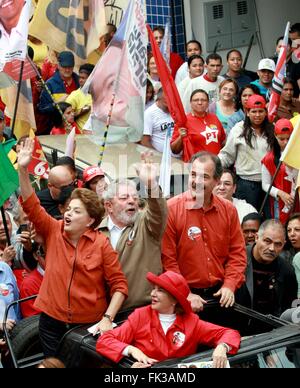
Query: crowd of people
{"x": 89, "y": 248}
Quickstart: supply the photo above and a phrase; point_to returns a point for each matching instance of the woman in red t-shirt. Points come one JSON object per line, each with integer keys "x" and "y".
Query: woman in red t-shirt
{"x": 203, "y": 131}
{"x": 283, "y": 190}
{"x": 60, "y": 127}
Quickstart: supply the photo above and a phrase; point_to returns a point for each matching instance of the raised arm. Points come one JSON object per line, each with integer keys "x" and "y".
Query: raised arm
{"x": 24, "y": 159}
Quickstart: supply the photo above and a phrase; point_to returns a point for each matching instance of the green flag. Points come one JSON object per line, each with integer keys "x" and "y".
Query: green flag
{"x": 9, "y": 181}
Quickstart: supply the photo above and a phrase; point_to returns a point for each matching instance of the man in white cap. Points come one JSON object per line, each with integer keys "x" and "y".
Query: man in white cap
{"x": 265, "y": 72}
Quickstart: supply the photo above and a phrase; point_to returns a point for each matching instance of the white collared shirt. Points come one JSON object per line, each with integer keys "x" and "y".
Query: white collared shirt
{"x": 115, "y": 232}
{"x": 14, "y": 45}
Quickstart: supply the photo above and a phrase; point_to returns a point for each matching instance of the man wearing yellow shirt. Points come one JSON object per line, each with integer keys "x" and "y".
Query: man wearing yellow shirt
{"x": 295, "y": 120}
{"x": 81, "y": 103}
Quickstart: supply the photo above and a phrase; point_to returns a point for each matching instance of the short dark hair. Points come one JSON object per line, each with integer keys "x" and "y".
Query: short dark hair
{"x": 86, "y": 68}
{"x": 252, "y": 217}
{"x": 193, "y": 57}
{"x": 281, "y": 38}
{"x": 204, "y": 156}
{"x": 92, "y": 204}
{"x": 233, "y": 51}
{"x": 295, "y": 28}
{"x": 194, "y": 41}
{"x": 230, "y": 172}
{"x": 159, "y": 29}
{"x": 213, "y": 57}
{"x": 66, "y": 161}
{"x": 199, "y": 91}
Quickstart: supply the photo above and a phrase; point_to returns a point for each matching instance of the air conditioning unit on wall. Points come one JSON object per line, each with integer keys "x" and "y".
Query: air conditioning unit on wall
{"x": 229, "y": 23}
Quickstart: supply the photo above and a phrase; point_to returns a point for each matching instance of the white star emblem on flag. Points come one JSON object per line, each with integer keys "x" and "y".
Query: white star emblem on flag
{"x": 210, "y": 134}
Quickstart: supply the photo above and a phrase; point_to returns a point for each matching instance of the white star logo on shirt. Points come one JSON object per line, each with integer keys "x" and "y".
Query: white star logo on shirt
{"x": 210, "y": 134}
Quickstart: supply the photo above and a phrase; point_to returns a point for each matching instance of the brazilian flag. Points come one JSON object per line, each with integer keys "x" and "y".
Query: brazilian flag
{"x": 9, "y": 180}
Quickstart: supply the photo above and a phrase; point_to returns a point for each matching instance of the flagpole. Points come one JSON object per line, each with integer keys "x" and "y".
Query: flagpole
{"x": 5, "y": 225}
{"x": 103, "y": 146}
{"x": 18, "y": 98}
{"x": 45, "y": 86}
{"x": 270, "y": 188}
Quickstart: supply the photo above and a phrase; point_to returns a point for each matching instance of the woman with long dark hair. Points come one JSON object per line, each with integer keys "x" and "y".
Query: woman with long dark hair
{"x": 248, "y": 143}
{"x": 283, "y": 191}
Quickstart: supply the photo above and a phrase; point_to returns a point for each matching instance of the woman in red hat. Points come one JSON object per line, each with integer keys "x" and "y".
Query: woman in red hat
{"x": 283, "y": 191}
{"x": 167, "y": 328}
{"x": 94, "y": 179}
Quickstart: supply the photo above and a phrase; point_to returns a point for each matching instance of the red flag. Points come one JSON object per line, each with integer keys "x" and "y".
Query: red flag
{"x": 13, "y": 70}
{"x": 38, "y": 166}
{"x": 279, "y": 75}
{"x": 171, "y": 93}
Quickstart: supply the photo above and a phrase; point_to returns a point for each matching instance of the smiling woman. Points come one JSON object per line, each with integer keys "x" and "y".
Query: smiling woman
{"x": 78, "y": 259}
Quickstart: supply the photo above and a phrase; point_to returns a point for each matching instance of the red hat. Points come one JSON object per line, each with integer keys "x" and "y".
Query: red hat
{"x": 91, "y": 172}
{"x": 256, "y": 101}
{"x": 176, "y": 285}
{"x": 283, "y": 127}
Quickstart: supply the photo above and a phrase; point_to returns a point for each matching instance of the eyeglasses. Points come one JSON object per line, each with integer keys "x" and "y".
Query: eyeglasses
{"x": 72, "y": 184}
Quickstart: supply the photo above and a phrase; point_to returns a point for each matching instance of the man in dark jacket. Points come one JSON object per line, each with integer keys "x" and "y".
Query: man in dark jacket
{"x": 271, "y": 285}
{"x": 63, "y": 83}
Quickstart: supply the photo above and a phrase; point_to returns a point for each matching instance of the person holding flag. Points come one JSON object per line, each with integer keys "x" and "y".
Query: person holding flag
{"x": 280, "y": 73}
{"x": 282, "y": 191}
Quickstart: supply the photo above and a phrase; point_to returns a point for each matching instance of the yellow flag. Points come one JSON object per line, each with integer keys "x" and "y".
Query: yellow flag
{"x": 25, "y": 114}
{"x": 70, "y": 25}
{"x": 291, "y": 154}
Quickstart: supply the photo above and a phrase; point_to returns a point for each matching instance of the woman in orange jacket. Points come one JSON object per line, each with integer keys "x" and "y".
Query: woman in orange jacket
{"x": 80, "y": 263}
{"x": 167, "y": 329}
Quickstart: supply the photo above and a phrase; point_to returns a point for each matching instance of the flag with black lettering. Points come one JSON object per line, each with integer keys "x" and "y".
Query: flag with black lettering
{"x": 72, "y": 25}
{"x": 14, "y": 20}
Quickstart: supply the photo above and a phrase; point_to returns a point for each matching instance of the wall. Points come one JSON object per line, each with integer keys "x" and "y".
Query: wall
{"x": 160, "y": 11}
{"x": 272, "y": 18}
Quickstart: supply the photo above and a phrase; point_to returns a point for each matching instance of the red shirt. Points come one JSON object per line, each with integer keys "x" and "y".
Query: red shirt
{"x": 280, "y": 183}
{"x": 30, "y": 286}
{"x": 70, "y": 88}
{"x": 62, "y": 131}
{"x": 205, "y": 246}
{"x": 203, "y": 133}
{"x": 144, "y": 331}
{"x": 175, "y": 62}
{"x": 74, "y": 288}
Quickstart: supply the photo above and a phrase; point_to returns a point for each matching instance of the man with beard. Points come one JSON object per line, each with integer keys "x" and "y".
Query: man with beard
{"x": 203, "y": 239}
{"x": 271, "y": 284}
{"x": 136, "y": 235}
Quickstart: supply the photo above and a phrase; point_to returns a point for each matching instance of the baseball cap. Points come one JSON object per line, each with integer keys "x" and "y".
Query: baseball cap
{"x": 91, "y": 172}
{"x": 267, "y": 64}
{"x": 1, "y": 115}
{"x": 256, "y": 101}
{"x": 66, "y": 59}
{"x": 283, "y": 127}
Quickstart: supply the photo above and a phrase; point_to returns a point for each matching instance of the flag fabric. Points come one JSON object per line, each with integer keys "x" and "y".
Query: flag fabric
{"x": 165, "y": 46}
{"x": 122, "y": 73}
{"x": 38, "y": 166}
{"x": 171, "y": 93}
{"x": 291, "y": 154}
{"x": 71, "y": 144}
{"x": 9, "y": 181}
{"x": 13, "y": 69}
{"x": 5, "y": 80}
{"x": 70, "y": 25}
{"x": 13, "y": 42}
{"x": 166, "y": 165}
{"x": 25, "y": 113}
{"x": 279, "y": 75}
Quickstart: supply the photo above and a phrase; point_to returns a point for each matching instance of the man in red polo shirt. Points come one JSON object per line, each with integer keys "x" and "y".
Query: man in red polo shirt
{"x": 203, "y": 240}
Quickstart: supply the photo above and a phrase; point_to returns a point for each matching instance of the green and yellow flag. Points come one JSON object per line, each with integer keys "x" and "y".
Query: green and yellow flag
{"x": 9, "y": 180}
